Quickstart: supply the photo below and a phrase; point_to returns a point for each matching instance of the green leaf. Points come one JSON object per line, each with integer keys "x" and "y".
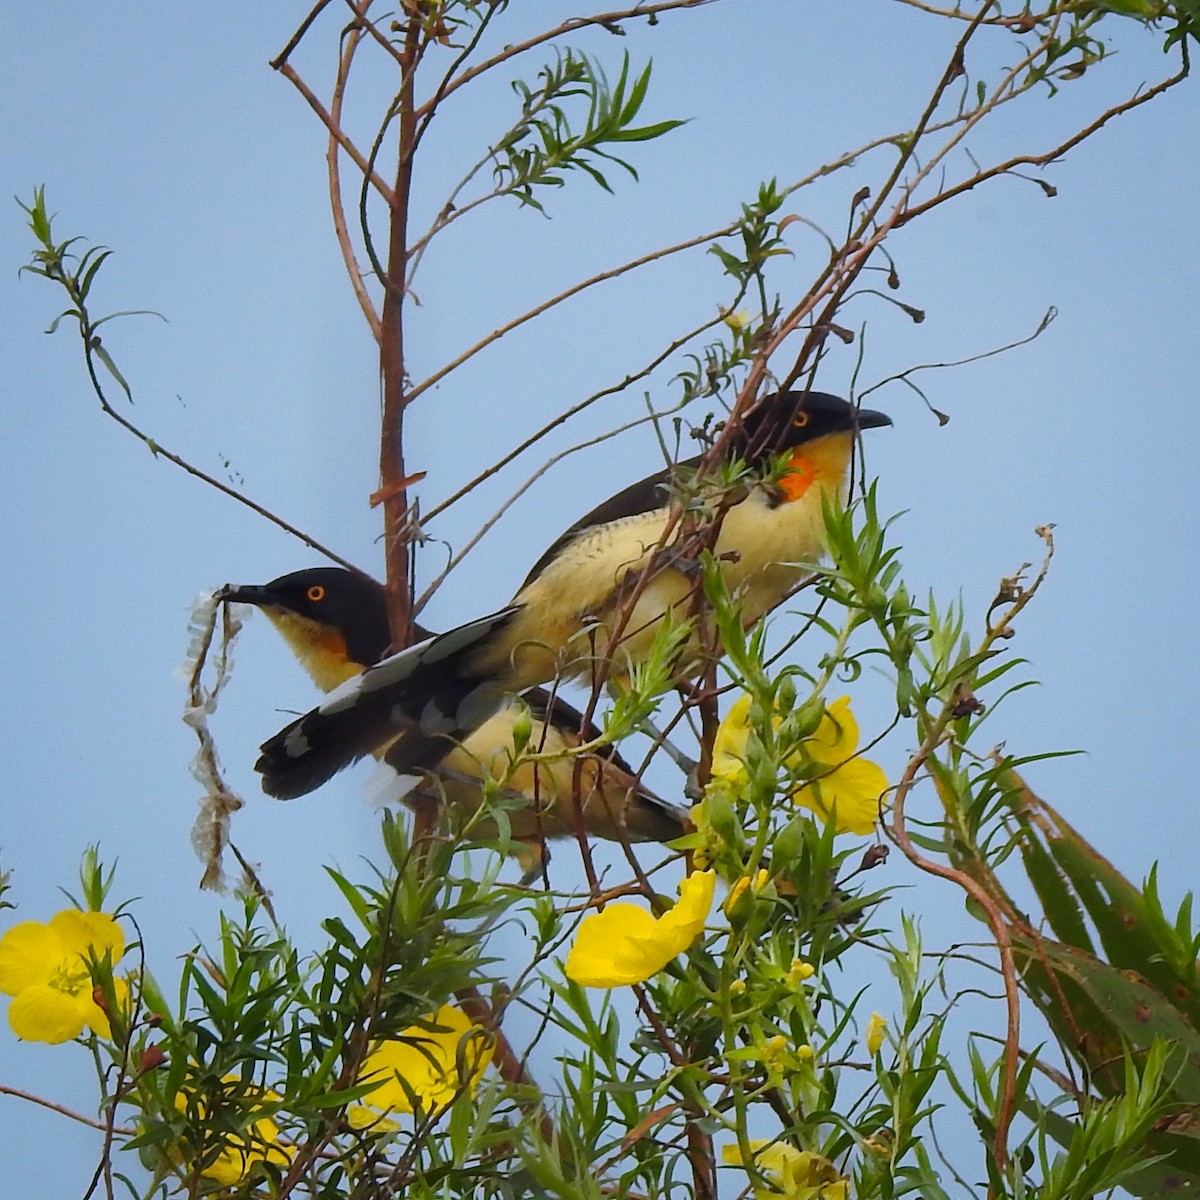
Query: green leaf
{"x": 99, "y": 351}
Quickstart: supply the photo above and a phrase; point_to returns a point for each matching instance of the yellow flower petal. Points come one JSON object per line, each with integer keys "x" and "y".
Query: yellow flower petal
{"x": 836, "y": 737}
{"x": 876, "y": 1029}
{"x": 81, "y": 932}
{"x": 28, "y": 955}
{"x": 427, "y": 1059}
{"x": 362, "y": 1117}
{"x": 624, "y": 944}
{"x": 794, "y": 1174}
{"x": 731, "y": 1155}
{"x": 45, "y": 968}
{"x": 682, "y": 924}
{"x": 615, "y": 947}
{"x": 729, "y": 746}
{"x": 43, "y": 1014}
{"x": 241, "y": 1152}
{"x": 779, "y": 1158}
{"x": 847, "y": 786}
{"x": 850, "y": 793}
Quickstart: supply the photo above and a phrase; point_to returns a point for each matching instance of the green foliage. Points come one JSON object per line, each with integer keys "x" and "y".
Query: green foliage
{"x": 1116, "y": 982}
{"x": 751, "y": 1033}
{"x": 75, "y": 272}
{"x": 538, "y": 150}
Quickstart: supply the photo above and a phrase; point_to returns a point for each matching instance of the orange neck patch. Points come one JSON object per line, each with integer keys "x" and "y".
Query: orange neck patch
{"x": 801, "y": 474}
{"x": 823, "y": 462}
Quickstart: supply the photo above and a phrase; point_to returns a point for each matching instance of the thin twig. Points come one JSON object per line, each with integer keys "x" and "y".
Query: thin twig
{"x": 337, "y": 207}
{"x": 160, "y": 451}
{"x": 546, "y": 305}
{"x": 649, "y": 11}
{"x": 1049, "y": 156}
{"x": 486, "y": 527}
{"x": 296, "y": 37}
{"x": 337, "y": 133}
{"x": 62, "y": 1110}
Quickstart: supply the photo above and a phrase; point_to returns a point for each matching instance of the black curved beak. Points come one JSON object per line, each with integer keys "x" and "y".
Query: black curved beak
{"x": 247, "y": 593}
{"x": 870, "y": 418}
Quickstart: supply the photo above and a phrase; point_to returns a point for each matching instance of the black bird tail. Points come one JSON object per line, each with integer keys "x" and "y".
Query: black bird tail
{"x": 428, "y": 693}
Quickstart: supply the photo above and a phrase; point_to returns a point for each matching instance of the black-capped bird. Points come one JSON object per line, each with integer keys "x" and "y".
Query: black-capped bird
{"x": 616, "y": 570}
{"x": 335, "y": 623}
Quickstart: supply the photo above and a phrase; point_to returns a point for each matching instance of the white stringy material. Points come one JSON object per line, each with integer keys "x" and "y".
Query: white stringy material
{"x": 210, "y": 833}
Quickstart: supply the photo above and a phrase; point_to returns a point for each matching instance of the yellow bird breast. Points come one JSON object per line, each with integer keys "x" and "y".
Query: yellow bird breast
{"x": 320, "y": 649}
{"x": 764, "y": 544}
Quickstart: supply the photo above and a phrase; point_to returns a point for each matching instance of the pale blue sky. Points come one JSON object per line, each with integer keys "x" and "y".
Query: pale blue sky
{"x": 163, "y": 134}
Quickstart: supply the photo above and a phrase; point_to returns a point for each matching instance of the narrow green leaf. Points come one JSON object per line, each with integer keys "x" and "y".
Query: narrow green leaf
{"x": 99, "y": 351}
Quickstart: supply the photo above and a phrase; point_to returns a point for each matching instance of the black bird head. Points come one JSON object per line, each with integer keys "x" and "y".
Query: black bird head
{"x": 784, "y": 420}
{"x": 334, "y": 620}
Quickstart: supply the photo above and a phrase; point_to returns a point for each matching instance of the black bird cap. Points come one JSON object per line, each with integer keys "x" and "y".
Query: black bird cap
{"x": 348, "y": 601}
{"x": 784, "y": 420}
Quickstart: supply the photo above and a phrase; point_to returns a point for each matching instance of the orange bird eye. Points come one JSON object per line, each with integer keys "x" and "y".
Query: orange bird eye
{"x": 800, "y": 420}
{"x": 316, "y": 593}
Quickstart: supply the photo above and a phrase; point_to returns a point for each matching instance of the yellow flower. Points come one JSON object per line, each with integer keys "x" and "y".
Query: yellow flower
{"x": 742, "y": 884}
{"x": 45, "y": 969}
{"x": 736, "y": 319}
{"x": 794, "y": 1174}
{"x": 774, "y": 1053}
{"x": 846, "y": 789}
{"x": 624, "y": 944}
{"x": 243, "y": 1152}
{"x": 800, "y": 971}
{"x": 777, "y": 1055}
{"x": 876, "y": 1028}
{"x": 435, "y": 1060}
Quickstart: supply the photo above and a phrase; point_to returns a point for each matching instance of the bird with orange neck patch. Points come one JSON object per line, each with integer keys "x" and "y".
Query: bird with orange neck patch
{"x": 598, "y": 596}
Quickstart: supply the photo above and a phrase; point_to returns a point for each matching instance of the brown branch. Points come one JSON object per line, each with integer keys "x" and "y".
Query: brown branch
{"x": 650, "y": 11}
{"x": 338, "y": 134}
{"x": 1021, "y": 23}
{"x": 487, "y": 526}
{"x": 953, "y": 70}
{"x": 337, "y": 208}
{"x": 845, "y": 160}
{"x": 425, "y": 117}
{"x": 1041, "y": 160}
{"x": 282, "y": 57}
{"x": 833, "y": 284}
{"x": 845, "y": 267}
{"x": 602, "y": 277}
{"x": 91, "y": 1122}
{"x": 512, "y": 1069}
{"x": 995, "y": 921}
{"x": 365, "y": 23}
{"x": 530, "y": 441}
{"x": 160, "y": 451}
{"x": 993, "y": 908}
{"x": 397, "y": 531}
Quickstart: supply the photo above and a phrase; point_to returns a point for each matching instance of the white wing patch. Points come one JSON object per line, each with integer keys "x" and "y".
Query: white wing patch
{"x": 295, "y": 745}
{"x": 447, "y": 644}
